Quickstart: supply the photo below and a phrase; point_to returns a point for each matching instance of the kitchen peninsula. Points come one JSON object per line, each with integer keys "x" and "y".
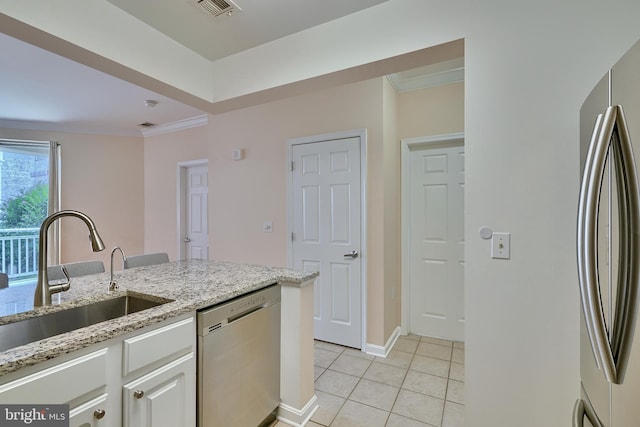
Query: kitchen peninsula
{"x": 191, "y": 286}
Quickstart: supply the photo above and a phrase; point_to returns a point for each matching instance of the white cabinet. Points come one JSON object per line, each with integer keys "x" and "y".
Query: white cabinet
{"x": 164, "y": 397}
{"x": 79, "y": 375}
{"x": 144, "y": 378}
{"x": 161, "y": 366}
{"x": 79, "y": 381}
{"x": 166, "y": 343}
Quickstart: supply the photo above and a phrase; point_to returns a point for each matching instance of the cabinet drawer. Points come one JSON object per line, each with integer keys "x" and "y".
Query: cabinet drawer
{"x": 155, "y": 345}
{"x": 61, "y": 383}
{"x": 93, "y": 413}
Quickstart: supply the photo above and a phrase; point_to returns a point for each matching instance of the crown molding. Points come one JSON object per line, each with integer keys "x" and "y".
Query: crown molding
{"x": 176, "y": 126}
{"x": 438, "y": 74}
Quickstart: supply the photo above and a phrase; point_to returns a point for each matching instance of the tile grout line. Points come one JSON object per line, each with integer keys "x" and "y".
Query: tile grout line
{"x": 448, "y": 377}
{"x": 360, "y": 377}
{"x": 404, "y": 378}
{"x": 346, "y": 398}
{"x": 446, "y": 389}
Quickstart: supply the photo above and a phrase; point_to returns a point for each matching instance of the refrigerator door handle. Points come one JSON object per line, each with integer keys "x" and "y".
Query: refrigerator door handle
{"x": 628, "y": 281}
{"x": 610, "y": 132}
{"x": 583, "y": 409}
{"x": 587, "y": 274}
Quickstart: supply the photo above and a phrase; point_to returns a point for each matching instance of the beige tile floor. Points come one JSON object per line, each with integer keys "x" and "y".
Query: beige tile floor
{"x": 420, "y": 383}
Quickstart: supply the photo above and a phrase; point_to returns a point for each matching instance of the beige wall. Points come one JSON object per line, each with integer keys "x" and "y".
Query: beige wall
{"x": 243, "y": 194}
{"x": 391, "y": 231}
{"x": 102, "y": 177}
{"x": 162, "y": 153}
{"x": 433, "y": 111}
{"x": 135, "y": 207}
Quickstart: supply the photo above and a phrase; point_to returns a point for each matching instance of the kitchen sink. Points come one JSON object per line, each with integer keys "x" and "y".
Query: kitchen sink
{"x": 48, "y": 325}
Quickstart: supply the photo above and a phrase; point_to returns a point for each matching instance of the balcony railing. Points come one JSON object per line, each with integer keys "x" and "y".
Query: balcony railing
{"x": 19, "y": 253}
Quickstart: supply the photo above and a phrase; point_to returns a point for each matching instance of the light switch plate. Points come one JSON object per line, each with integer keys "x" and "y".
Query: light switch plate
{"x": 501, "y": 245}
{"x": 267, "y": 227}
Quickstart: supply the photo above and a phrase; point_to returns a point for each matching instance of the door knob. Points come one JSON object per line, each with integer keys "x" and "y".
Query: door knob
{"x": 187, "y": 240}
{"x": 138, "y": 394}
{"x": 352, "y": 255}
{"x": 99, "y": 414}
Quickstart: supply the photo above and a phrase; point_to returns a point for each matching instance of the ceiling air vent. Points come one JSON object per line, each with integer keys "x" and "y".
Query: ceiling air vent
{"x": 219, "y": 7}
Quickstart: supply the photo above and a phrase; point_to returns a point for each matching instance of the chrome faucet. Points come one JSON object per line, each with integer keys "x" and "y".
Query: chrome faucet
{"x": 113, "y": 285}
{"x": 44, "y": 290}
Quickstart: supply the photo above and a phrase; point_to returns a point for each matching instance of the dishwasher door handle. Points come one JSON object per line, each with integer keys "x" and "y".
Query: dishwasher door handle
{"x": 239, "y": 316}
{"x": 251, "y": 310}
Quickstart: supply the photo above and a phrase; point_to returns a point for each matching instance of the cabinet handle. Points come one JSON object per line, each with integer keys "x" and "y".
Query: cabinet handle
{"x": 99, "y": 414}
{"x": 138, "y": 394}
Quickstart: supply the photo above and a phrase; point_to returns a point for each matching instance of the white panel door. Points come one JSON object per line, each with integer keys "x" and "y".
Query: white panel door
{"x": 196, "y": 212}
{"x": 326, "y": 234}
{"x": 437, "y": 242}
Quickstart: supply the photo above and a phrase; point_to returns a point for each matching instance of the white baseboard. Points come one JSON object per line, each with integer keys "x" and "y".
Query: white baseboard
{"x": 380, "y": 351}
{"x": 297, "y": 417}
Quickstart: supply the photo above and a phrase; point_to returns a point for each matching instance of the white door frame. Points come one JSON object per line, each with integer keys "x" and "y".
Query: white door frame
{"x": 407, "y": 145}
{"x": 362, "y": 134}
{"x": 181, "y": 199}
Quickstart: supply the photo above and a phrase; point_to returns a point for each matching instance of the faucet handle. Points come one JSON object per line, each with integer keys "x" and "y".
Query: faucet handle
{"x": 61, "y": 287}
{"x": 66, "y": 273}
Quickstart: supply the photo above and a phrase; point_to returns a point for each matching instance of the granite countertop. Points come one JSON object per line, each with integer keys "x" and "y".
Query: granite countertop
{"x": 192, "y": 285}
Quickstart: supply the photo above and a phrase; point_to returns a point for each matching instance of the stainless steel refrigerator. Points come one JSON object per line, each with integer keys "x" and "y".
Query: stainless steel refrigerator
{"x": 608, "y": 249}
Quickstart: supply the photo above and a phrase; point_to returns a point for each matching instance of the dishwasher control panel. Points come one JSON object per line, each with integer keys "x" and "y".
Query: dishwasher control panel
{"x": 215, "y": 317}
{"x": 248, "y": 303}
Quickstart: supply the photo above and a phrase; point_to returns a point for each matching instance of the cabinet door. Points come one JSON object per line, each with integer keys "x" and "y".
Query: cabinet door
{"x": 94, "y": 413}
{"x": 162, "y": 398}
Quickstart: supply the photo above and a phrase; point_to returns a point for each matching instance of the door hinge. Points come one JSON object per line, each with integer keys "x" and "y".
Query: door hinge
{"x": 293, "y": 237}
{"x": 292, "y": 166}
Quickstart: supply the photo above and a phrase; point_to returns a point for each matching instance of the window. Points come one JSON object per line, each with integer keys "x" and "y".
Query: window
{"x": 29, "y": 191}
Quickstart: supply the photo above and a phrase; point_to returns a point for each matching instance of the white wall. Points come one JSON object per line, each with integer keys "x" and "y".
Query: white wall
{"x": 528, "y": 69}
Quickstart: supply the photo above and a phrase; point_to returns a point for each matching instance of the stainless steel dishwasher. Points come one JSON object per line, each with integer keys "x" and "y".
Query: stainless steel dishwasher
{"x": 239, "y": 361}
